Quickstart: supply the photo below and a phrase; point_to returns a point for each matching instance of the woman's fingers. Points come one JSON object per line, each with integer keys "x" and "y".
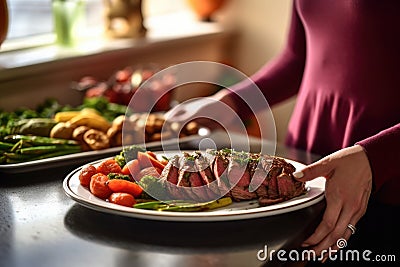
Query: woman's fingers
{"x": 337, "y": 232}
{"x": 347, "y": 190}
{"x": 317, "y": 169}
{"x": 341, "y": 242}
{"x": 327, "y": 224}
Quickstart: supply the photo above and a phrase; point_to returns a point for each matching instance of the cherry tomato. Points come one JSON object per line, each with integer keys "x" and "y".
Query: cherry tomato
{"x": 109, "y": 165}
{"x": 122, "y": 75}
{"x": 99, "y": 187}
{"x": 86, "y": 174}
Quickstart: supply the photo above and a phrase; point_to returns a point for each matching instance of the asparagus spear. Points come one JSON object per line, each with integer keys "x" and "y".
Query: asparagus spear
{"x": 5, "y": 146}
{"x": 39, "y": 140}
{"x": 24, "y": 148}
{"x": 18, "y": 158}
{"x": 37, "y": 150}
{"x": 176, "y": 205}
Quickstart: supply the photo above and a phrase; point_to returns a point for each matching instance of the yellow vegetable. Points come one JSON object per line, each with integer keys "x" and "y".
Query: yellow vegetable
{"x": 219, "y": 203}
{"x": 64, "y": 116}
{"x": 90, "y": 120}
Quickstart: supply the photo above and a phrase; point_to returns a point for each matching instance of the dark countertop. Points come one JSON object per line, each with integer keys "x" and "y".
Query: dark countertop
{"x": 41, "y": 226}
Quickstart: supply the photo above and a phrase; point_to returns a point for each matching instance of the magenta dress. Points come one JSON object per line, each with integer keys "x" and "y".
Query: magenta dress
{"x": 342, "y": 59}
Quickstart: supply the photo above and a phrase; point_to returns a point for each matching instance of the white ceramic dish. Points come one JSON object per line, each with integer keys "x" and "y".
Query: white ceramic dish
{"x": 235, "y": 211}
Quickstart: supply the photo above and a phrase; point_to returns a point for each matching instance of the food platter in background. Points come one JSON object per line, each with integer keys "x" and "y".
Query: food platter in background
{"x": 88, "y": 156}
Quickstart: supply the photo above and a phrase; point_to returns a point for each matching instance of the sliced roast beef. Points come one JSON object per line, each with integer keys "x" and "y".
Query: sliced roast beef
{"x": 190, "y": 177}
{"x": 272, "y": 187}
{"x": 203, "y": 165}
{"x": 239, "y": 178}
{"x": 259, "y": 182}
{"x": 184, "y": 185}
{"x": 171, "y": 174}
{"x": 241, "y": 175}
{"x": 220, "y": 171}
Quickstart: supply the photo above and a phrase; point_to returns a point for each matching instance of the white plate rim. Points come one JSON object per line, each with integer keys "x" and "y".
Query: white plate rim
{"x": 315, "y": 194}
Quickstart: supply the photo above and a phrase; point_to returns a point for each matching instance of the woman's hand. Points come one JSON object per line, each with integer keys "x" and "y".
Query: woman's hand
{"x": 215, "y": 111}
{"x": 348, "y": 187}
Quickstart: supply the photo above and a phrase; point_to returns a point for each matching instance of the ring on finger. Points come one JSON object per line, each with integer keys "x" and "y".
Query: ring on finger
{"x": 352, "y": 228}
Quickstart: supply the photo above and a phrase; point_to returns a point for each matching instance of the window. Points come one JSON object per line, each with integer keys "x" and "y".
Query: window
{"x": 29, "y": 18}
{"x": 31, "y": 21}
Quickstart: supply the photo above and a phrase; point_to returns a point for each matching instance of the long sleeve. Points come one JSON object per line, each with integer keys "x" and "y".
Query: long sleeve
{"x": 280, "y": 78}
{"x": 342, "y": 61}
{"x": 383, "y": 151}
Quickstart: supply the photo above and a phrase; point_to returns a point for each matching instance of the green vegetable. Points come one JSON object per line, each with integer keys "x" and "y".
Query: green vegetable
{"x": 184, "y": 206}
{"x": 5, "y": 146}
{"x": 39, "y": 140}
{"x": 24, "y": 132}
{"x": 120, "y": 159}
{"x": 18, "y": 158}
{"x": 243, "y": 158}
{"x": 107, "y": 109}
{"x": 153, "y": 187}
{"x": 113, "y": 175}
{"x": 22, "y": 148}
{"x": 47, "y": 109}
{"x": 35, "y": 150}
{"x": 35, "y": 126}
{"x": 131, "y": 152}
{"x": 128, "y": 154}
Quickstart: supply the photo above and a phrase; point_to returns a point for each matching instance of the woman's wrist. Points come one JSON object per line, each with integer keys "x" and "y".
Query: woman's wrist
{"x": 225, "y": 96}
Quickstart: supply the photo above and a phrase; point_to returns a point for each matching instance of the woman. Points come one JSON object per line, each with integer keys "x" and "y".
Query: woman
{"x": 341, "y": 59}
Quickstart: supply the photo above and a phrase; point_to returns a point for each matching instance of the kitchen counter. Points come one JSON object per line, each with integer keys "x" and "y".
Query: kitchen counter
{"x": 41, "y": 226}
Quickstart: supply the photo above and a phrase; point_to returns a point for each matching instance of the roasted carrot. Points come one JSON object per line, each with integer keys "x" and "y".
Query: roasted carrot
{"x": 146, "y": 160}
{"x": 98, "y": 186}
{"x": 152, "y": 154}
{"x": 123, "y": 186}
{"x": 131, "y": 168}
{"x": 123, "y": 199}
